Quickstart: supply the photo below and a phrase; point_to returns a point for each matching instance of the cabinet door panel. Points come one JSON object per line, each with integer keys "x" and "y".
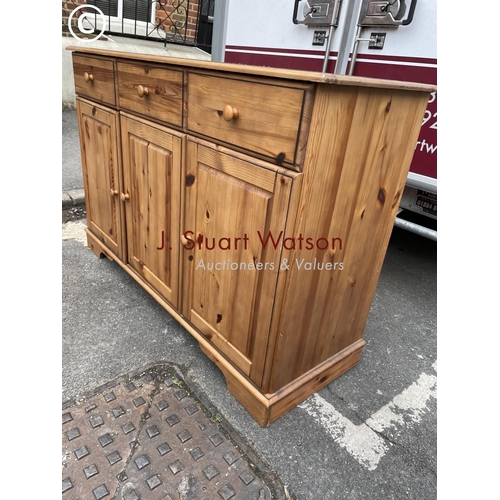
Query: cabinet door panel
{"x": 151, "y": 159}
{"x": 99, "y": 153}
{"x": 230, "y": 275}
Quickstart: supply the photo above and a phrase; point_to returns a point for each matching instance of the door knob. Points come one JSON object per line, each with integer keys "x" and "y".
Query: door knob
{"x": 142, "y": 91}
{"x": 229, "y": 113}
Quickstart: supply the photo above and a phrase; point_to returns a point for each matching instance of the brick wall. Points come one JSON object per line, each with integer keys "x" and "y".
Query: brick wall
{"x": 67, "y": 7}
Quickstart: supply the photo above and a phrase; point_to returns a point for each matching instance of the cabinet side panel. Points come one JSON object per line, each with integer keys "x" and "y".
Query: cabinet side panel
{"x": 360, "y": 149}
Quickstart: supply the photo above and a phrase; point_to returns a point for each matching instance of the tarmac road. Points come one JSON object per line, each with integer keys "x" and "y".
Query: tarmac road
{"x": 371, "y": 434}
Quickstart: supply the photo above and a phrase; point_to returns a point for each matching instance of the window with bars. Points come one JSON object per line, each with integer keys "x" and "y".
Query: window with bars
{"x": 186, "y": 22}
{"x": 136, "y": 10}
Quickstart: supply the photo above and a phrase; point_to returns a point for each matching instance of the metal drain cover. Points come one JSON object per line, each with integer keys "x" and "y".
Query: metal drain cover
{"x": 150, "y": 438}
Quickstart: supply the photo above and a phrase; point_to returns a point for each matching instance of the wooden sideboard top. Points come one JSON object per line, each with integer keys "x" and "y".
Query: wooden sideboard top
{"x": 308, "y": 76}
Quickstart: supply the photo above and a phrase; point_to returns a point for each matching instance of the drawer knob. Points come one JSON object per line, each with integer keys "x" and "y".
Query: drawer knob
{"x": 124, "y": 196}
{"x": 229, "y": 113}
{"x": 142, "y": 91}
{"x": 113, "y": 192}
{"x": 184, "y": 240}
{"x": 88, "y": 77}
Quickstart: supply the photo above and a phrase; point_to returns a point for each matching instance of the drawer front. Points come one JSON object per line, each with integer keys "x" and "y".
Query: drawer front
{"x": 152, "y": 91}
{"x": 259, "y": 116}
{"x": 94, "y": 78}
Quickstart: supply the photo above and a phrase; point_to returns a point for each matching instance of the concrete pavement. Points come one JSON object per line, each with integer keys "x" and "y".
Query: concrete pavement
{"x": 371, "y": 434}
{"x": 72, "y": 179}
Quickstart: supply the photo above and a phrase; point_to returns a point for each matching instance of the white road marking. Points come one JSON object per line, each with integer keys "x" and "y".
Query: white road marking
{"x": 410, "y": 404}
{"x": 363, "y": 441}
{"x": 365, "y": 445}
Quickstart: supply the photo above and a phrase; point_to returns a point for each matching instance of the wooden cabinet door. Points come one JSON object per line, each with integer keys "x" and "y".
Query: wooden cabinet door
{"x": 151, "y": 169}
{"x": 230, "y": 274}
{"x": 100, "y": 164}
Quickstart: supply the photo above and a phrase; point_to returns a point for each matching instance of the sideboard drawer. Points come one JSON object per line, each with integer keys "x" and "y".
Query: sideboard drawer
{"x": 151, "y": 90}
{"x": 94, "y": 78}
{"x": 264, "y": 117}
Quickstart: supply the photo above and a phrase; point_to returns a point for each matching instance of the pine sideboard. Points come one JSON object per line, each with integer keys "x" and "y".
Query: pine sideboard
{"x": 254, "y": 204}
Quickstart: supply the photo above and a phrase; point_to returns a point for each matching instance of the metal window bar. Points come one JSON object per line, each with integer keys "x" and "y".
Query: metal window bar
{"x": 165, "y": 21}
{"x": 205, "y": 25}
